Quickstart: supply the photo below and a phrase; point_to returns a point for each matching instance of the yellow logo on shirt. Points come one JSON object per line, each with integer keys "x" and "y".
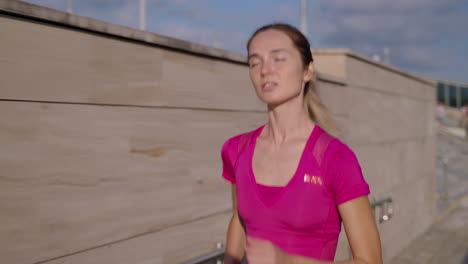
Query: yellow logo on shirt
{"x": 313, "y": 179}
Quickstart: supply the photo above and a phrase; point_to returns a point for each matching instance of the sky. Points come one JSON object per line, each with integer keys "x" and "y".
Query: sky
{"x": 426, "y": 37}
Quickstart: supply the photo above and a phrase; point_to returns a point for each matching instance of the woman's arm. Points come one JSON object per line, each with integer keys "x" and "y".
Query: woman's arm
{"x": 235, "y": 241}
{"x": 360, "y": 228}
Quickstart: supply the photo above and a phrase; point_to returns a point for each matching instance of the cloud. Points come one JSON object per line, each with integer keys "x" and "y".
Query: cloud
{"x": 110, "y": 4}
{"x": 226, "y": 28}
{"x": 421, "y": 58}
{"x": 286, "y": 11}
{"x": 126, "y": 14}
{"x": 55, "y": 4}
{"x": 389, "y": 6}
{"x": 410, "y": 29}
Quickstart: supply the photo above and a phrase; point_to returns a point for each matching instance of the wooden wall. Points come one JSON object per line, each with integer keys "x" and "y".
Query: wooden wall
{"x": 110, "y": 148}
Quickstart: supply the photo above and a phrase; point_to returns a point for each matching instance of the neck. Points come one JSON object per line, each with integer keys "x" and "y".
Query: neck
{"x": 288, "y": 120}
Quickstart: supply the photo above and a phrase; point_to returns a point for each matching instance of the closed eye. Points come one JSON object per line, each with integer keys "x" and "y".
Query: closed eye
{"x": 280, "y": 59}
{"x": 253, "y": 64}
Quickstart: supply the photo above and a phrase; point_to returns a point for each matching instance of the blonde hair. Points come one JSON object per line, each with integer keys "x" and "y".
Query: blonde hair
{"x": 316, "y": 110}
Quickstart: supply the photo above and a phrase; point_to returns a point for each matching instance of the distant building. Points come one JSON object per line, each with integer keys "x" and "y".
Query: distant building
{"x": 453, "y": 94}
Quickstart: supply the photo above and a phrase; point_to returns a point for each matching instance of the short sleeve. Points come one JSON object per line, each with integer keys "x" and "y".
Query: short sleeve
{"x": 347, "y": 181}
{"x": 229, "y": 154}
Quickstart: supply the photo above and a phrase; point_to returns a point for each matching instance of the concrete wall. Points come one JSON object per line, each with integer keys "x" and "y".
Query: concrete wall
{"x": 111, "y": 136}
{"x": 389, "y": 123}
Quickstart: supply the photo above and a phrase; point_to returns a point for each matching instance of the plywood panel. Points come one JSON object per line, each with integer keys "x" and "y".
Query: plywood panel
{"x": 388, "y": 165}
{"x": 362, "y": 73}
{"x": 334, "y": 97}
{"x": 72, "y": 66}
{"x": 76, "y": 176}
{"x": 377, "y": 117}
{"x": 332, "y": 64}
{"x": 172, "y": 245}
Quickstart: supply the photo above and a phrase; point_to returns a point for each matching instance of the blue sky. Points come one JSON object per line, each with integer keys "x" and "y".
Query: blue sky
{"x": 428, "y": 37}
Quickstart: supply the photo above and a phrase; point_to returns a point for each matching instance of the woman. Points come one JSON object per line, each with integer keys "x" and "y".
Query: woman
{"x": 293, "y": 183}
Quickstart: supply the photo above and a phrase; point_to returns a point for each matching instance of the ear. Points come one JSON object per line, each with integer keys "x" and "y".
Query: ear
{"x": 309, "y": 72}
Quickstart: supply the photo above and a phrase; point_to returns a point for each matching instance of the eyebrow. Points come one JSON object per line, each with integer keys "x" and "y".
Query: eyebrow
{"x": 272, "y": 51}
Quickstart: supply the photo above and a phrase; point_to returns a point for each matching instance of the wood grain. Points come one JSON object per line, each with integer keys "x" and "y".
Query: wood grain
{"x": 63, "y": 65}
{"x": 173, "y": 245}
{"x": 74, "y": 177}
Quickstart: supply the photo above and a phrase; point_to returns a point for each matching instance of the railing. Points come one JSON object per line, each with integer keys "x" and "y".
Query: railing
{"x": 382, "y": 208}
{"x": 446, "y": 159}
{"x": 215, "y": 256}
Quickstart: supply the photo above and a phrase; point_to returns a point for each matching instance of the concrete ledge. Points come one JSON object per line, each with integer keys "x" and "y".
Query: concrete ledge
{"x": 331, "y": 79}
{"x": 53, "y": 16}
{"x": 361, "y": 57}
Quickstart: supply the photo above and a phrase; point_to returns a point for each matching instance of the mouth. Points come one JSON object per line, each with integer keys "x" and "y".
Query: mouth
{"x": 267, "y": 86}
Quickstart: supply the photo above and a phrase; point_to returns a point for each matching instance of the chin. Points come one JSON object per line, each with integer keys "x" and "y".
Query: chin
{"x": 277, "y": 96}
{"x": 274, "y": 100}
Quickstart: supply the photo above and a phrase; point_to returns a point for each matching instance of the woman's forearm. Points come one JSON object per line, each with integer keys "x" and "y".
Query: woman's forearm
{"x": 235, "y": 242}
{"x": 292, "y": 259}
{"x": 352, "y": 261}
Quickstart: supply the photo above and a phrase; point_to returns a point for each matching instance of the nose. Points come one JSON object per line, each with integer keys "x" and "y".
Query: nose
{"x": 266, "y": 67}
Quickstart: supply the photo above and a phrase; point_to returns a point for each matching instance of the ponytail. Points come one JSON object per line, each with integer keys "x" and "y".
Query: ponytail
{"x": 317, "y": 111}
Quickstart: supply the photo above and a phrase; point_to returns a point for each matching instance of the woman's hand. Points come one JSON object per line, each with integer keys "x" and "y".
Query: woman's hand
{"x": 259, "y": 251}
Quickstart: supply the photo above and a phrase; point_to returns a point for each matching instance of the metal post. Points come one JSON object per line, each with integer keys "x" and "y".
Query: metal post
{"x": 142, "y": 14}
{"x": 219, "y": 245}
{"x": 458, "y": 95}
{"x": 70, "y": 6}
{"x": 304, "y": 17}
{"x": 386, "y": 51}
{"x": 447, "y": 94}
{"x": 445, "y": 162}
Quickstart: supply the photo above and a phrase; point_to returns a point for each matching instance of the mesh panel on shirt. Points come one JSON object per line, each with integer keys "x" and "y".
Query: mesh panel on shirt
{"x": 320, "y": 147}
{"x": 244, "y": 142}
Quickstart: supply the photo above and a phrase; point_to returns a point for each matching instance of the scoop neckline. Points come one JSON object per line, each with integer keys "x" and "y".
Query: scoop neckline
{"x": 294, "y": 177}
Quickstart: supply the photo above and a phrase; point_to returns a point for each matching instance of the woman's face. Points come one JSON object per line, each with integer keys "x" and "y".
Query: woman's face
{"x": 276, "y": 68}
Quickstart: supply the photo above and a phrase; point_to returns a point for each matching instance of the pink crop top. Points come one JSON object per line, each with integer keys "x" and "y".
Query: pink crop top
{"x": 302, "y": 217}
{"x": 269, "y": 193}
